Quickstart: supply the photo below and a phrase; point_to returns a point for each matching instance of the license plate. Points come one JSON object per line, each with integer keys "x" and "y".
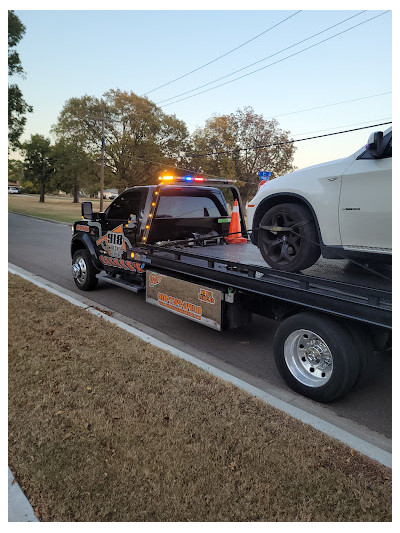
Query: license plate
{"x": 190, "y": 300}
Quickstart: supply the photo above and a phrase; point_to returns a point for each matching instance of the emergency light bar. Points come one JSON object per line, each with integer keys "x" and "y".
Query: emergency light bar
{"x": 194, "y": 179}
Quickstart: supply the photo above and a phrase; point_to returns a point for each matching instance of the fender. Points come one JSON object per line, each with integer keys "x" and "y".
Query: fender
{"x": 82, "y": 240}
{"x": 278, "y": 198}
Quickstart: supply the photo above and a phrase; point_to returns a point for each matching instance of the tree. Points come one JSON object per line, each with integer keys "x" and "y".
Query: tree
{"x": 218, "y": 148}
{"x": 38, "y": 165}
{"x": 15, "y": 171}
{"x": 17, "y": 107}
{"x": 73, "y": 168}
{"x": 140, "y": 139}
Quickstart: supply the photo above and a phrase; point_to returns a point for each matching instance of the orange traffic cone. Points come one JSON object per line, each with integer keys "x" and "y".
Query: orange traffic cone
{"x": 235, "y": 231}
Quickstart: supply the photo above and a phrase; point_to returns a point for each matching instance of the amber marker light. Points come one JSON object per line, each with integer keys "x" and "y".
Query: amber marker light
{"x": 147, "y": 227}
{"x": 143, "y": 238}
{"x": 153, "y": 204}
{"x": 132, "y": 255}
{"x": 150, "y": 215}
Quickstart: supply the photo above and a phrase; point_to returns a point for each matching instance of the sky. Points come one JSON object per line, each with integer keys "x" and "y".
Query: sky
{"x": 70, "y": 53}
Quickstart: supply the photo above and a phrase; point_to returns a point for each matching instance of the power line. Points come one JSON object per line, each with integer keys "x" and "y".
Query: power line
{"x": 347, "y": 126}
{"x": 164, "y": 164}
{"x": 261, "y": 60}
{"x": 288, "y": 141}
{"x": 329, "y": 105}
{"x": 278, "y": 61}
{"x": 223, "y": 55}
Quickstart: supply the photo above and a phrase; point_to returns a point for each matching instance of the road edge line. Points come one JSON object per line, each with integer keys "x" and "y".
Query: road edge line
{"x": 358, "y": 444}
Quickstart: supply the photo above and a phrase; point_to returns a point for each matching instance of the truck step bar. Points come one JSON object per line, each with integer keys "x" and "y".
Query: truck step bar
{"x": 120, "y": 282}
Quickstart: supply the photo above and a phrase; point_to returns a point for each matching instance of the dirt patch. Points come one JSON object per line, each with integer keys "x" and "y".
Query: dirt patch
{"x": 104, "y": 427}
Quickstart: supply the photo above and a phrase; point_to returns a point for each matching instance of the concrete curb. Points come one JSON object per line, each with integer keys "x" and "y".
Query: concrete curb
{"x": 19, "y": 508}
{"x": 358, "y": 444}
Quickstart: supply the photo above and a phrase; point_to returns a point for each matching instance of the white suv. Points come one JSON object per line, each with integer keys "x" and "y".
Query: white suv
{"x": 342, "y": 208}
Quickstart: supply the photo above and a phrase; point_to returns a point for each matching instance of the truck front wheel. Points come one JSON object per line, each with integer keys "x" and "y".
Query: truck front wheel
{"x": 316, "y": 356}
{"x": 83, "y": 270}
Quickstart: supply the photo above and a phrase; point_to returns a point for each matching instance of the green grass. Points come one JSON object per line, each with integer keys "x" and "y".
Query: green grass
{"x": 61, "y": 209}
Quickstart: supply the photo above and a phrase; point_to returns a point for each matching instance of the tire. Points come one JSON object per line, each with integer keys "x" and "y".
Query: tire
{"x": 84, "y": 271}
{"x": 316, "y": 356}
{"x": 289, "y": 251}
{"x": 365, "y": 351}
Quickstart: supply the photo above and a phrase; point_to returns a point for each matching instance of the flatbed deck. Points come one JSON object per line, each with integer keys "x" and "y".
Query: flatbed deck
{"x": 342, "y": 270}
{"x": 336, "y": 286}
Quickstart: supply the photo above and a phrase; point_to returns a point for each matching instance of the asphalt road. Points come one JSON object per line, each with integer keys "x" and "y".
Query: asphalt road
{"x": 42, "y": 248}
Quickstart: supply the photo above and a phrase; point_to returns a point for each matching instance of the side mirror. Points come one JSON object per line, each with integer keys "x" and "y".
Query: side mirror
{"x": 375, "y": 144}
{"x": 87, "y": 210}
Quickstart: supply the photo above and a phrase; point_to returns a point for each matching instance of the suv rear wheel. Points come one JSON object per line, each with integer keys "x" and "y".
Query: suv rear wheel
{"x": 288, "y": 238}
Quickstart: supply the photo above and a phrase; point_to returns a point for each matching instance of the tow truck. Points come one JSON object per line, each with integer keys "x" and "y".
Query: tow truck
{"x": 172, "y": 242}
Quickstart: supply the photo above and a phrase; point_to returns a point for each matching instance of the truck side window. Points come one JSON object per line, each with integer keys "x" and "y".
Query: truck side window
{"x": 127, "y": 204}
{"x": 188, "y": 207}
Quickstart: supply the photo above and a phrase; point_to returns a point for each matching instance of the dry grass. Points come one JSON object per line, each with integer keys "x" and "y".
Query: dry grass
{"x": 53, "y": 208}
{"x": 104, "y": 427}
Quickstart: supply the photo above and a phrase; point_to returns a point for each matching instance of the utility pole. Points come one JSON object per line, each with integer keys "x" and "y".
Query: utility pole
{"x": 102, "y": 156}
{"x": 103, "y": 120}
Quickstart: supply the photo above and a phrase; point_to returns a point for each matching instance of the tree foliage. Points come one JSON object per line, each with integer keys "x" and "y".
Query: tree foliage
{"x": 218, "y": 148}
{"x": 138, "y": 135}
{"x": 15, "y": 170}
{"x": 73, "y": 168}
{"x": 17, "y": 107}
{"x": 38, "y": 162}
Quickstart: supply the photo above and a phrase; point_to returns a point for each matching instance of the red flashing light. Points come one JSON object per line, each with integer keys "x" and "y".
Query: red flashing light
{"x": 198, "y": 179}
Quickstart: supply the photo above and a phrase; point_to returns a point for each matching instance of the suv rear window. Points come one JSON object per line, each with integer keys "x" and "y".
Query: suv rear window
{"x": 184, "y": 206}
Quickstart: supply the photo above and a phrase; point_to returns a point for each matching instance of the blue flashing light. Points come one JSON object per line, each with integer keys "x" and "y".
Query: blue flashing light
{"x": 188, "y": 178}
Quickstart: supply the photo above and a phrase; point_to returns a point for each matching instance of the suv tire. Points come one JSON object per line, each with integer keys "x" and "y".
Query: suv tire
{"x": 292, "y": 250}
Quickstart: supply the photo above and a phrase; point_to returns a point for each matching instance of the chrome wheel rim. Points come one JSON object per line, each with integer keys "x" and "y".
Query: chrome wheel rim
{"x": 308, "y": 358}
{"x": 79, "y": 270}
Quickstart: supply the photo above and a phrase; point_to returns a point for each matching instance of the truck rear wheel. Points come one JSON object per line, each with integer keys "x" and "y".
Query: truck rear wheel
{"x": 363, "y": 342}
{"x": 316, "y": 356}
{"x": 292, "y": 250}
{"x": 83, "y": 270}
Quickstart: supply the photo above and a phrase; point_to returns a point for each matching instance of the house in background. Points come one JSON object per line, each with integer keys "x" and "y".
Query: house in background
{"x": 109, "y": 194}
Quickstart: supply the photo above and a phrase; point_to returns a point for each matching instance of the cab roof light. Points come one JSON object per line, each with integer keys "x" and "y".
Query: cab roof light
{"x": 189, "y": 178}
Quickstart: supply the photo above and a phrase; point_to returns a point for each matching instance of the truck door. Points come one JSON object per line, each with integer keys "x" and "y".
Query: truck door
{"x": 365, "y": 215}
{"x": 124, "y": 216}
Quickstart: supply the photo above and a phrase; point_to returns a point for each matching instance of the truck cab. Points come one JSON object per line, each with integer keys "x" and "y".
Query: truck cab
{"x": 174, "y": 210}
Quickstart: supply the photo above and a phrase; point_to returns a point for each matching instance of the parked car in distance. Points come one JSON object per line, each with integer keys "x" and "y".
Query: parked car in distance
{"x": 340, "y": 209}
{"x": 14, "y": 190}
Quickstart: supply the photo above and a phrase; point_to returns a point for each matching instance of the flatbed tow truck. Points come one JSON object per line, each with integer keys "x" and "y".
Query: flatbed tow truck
{"x": 171, "y": 241}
